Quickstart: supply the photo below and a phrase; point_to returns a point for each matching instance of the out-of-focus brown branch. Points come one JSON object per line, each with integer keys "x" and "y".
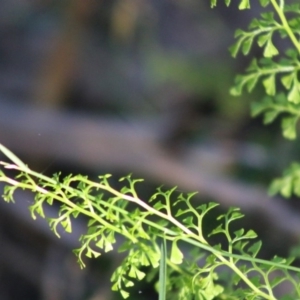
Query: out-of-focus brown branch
{"x": 55, "y": 75}
{"x": 113, "y": 145}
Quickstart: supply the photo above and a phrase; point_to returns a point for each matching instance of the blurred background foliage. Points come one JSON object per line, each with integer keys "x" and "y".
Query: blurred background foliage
{"x": 161, "y": 66}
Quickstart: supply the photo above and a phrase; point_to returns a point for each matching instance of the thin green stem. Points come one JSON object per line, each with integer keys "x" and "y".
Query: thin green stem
{"x": 280, "y": 11}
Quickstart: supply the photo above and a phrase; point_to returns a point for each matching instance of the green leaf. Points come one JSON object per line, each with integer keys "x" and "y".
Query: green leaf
{"x": 154, "y": 258}
{"x": 217, "y": 230}
{"x": 67, "y": 225}
{"x": 270, "y": 49}
{"x": 239, "y": 232}
{"x": 286, "y": 190}
{"x": 292, "y": 7}
{"x": 189, "y": 221}
{"x": 132, "y": 271}
{"x": 158, "y": 205}
{"x": 250, "y": 234}
{"x": 269, "y": 84}
{"x": 115, "y": 286}
{"x": 92, "y": 229}
{"x": 264, "y": 3}
{"x": 238, "y": 32}
{"x": 108, "y": 247}
{"x": 213, "y": 3}
{"x": 236, "y": 90}
{"x": 289, "y": 260}
{"x": 234, "y": 49}
{"x": 247, "y": 45}
{"x": 176, "y": 254}
{"x": 111, "y": 237}
{"x": 278, "y": 259}
{"x": 100, "y": 243}
{"x": 262, "y": 39}
{"x": 294, "y": 22}
{"x": 254, "y": 249}
{"x": 268, "y": 16}
{"x": 276, "y": 281}
{"x": 288, "y": 125}
{"x": 287, "y": 80}
{"x": 254, "y": 24}
{"x": 239, "y": 81}
{"x": 240, "y": 245}
{"x": 244, "y": 4}
{"x": 144, "y": 259}
{"x": 296, "y": 184}
{"x": 251, "y": 83}
{"x": 294, "y": 94}
{"x": 128, "y": 283}
{"x": 281, "y": 99}
{"x": 292, "y": 53}
{"x": 256, "y": 281}
{"x": 275, "y": 187}
{"x": 181, "y": 212}
{"x": 253, "y": 66}
{"x": 91, "y": 253}
{"x": 139, "y": 274}
{"x": 234, "y": 213}
{"x": 257, "y": 108}
{"x": 75, "y": 213}
{"x": 124, "y": 294}
{"x": 211, "y": 205}
{"x": 270, "y": 116}
{"x": 239, "y": 235}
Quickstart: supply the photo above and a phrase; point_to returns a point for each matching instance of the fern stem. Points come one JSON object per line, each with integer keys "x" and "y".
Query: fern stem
{"x": 280, "y": 12}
